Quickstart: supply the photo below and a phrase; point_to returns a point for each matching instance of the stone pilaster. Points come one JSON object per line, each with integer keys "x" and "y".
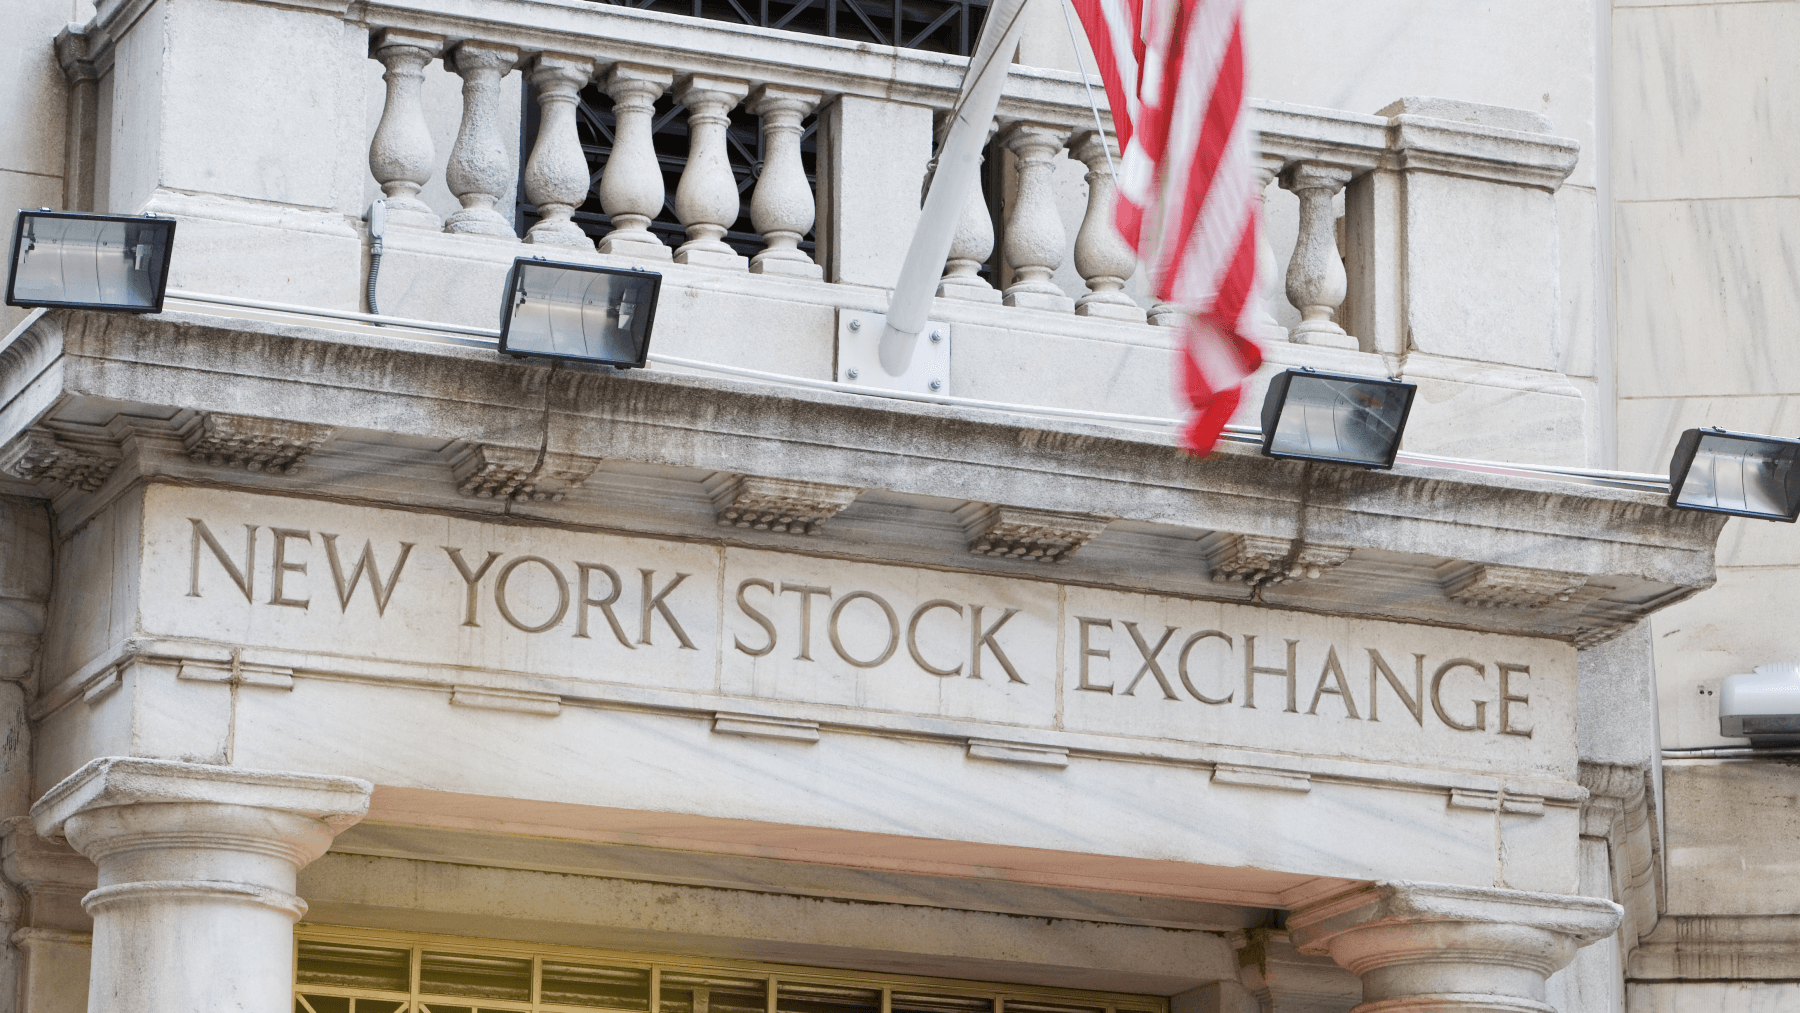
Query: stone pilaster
{"x": 1431, "y": 946}
{"x": 197, "y": 869}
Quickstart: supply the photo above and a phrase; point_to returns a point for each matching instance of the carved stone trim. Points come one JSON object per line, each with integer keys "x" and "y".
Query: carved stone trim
{"x": 490, "y": 472}
{"x": 39, "y": 455}
{"x": 1260, "y": 559}
{"x": 777, "y": 504}
{"x": 1490, "y": 586}
{"x": 243, "y": 441}
{"x": 1038, "y": 536}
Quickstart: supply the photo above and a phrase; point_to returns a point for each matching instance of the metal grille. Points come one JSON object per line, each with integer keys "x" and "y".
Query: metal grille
{"x": 941, "y": 26}
{"x": 669, "y": 134}
{"x": 347, "y": 971}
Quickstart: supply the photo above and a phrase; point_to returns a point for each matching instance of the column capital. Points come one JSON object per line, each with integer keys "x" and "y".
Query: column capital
{"x": 1444, "y": 947}
{"x": 113, "y": 781}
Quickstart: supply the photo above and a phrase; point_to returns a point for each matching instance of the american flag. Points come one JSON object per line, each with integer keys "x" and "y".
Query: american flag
{"x": 1187, "y": 198}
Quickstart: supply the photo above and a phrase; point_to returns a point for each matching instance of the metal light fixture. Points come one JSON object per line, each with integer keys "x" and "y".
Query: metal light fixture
{"x": 1736, "y": 473}
{"x": 101, "y": 262}
{"x": 579, "y": 311}
{"x": 1318, "y": 416}
{"x": 1762, "y": 706}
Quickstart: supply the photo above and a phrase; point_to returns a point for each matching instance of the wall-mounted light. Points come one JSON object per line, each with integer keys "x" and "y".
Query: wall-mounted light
{"x": 1762, "y": 706}
{"x": 1318, "y": 416}
{"x": 100, "y": 262}
{"x": 1736, "y": 473}
{"x": 579, "y": 311}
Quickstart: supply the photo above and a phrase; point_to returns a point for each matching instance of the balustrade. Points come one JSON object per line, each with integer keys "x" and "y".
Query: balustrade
{"x": 1315, "y": 154}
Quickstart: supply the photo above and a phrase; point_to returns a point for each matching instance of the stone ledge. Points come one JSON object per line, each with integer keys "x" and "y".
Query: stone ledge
{"x": 1397, "y": 532}
{"x": 108, "y": 781}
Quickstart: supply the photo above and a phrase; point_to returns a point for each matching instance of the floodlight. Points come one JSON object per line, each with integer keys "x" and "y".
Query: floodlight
{"x": 100, "y": 262}
{"x": 1318, "y": 416}
{"x": 579, "y": 311}
{"x": 1736, "y": 473}
{"x": 1762, "y": 706}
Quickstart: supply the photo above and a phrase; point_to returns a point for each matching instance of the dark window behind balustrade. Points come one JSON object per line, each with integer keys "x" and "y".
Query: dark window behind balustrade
{"x": 942, "y": 26}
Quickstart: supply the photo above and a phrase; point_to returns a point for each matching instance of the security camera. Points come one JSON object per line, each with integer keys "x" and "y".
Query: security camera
{"x": 1762, "y": 706}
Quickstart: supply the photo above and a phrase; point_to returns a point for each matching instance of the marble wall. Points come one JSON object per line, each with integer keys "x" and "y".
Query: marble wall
{"x": 1706, "y": 208}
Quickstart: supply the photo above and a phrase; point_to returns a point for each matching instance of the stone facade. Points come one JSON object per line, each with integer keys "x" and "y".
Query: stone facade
{"x": 327, "y": 638}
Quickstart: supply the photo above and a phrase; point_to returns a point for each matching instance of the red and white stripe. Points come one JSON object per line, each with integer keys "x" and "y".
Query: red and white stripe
{"x": 1187, "y": 196}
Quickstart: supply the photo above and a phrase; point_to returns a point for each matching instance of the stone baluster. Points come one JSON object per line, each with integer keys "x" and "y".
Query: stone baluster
{"x": 197, "y": 867}
{"x": 1102, "y": 256}
{"x": 1035, "y": 238}
{"x": 1267, "y": 267}
{"x": 1432, "y": 947}
{"x": 1316, "y": 282}
{"x": 631, "y": 187}
{"x": 556, "y": 174}
{"x": 1166, "y": 314}
{"x": 970, "y": 249}
{"x": 481, "y": 168}
{"x": 401, "y": 155}
{"x": 706, "y": 199}
{"x": 782, "y": 209}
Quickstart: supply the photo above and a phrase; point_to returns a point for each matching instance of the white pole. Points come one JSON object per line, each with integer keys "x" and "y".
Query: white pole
{"x": 957, "y": 163}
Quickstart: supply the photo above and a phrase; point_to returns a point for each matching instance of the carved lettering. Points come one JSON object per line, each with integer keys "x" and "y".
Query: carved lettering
{"x": 471, "y": 581}
{"x": 1414, "y": 701}
{"x": 986, "y": 639}
{"x": 912, "y": 636}
{"x": 806, "y": 592}
{"x": 588, "y": 601}
{"x": 757, "y": 617}
{"x": 364, "y": 563}
{"x": 831, "y": 629}
{"x": 654, "y": 603}
{"x": 1151, "y": 666}
{"x": 1252, "y": 670}
{"x": 279, "y": 570}
{"x": 1335, "y": 668}
{"x": 1086, "y": 623}
{"x": 562, "y": 594}
{"x": 1181, "y": 665}
{"x": 244, "y": 578}
{"x": 1437, "y": 699}
{"x": 1508, "y": 698}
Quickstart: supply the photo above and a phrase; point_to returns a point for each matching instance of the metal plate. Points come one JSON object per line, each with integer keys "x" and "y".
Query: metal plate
{"x": 859, "y": 355}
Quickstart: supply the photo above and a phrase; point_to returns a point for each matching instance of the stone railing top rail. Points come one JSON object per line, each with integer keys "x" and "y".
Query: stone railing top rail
{"x": 1431, "y": 134}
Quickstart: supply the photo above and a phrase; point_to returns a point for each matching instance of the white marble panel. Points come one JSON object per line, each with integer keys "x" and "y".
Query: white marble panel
{"x": 1241, "y": 675}
{"x": 1733, "y": 838}
{"x": 1133, "y": 375}
{"x": 93, "y": 601}
{"x": 1722, "y": 996}
{"x": 1577, "y": 226}
{"x": 289, "y": 114}
{"x": 1532, "y": 54}
{"x": 32, "y": 117}
{"x": 524, "y": 612}
{"x": 890, "y": 638}
{"x": 1703, "y": 99}
{"x": 871, "y": 187}
{"x": 1707, "y": 297}
{"x": 1482, "y": 279}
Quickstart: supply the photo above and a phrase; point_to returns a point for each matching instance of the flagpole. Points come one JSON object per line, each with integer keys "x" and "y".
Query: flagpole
{"x": 958, "y": 161}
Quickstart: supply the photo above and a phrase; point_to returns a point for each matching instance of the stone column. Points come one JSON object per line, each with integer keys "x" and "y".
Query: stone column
{"x": 401, "y": 154}
{"x": 197, "y": 866}
{"x": 783, "y": 209}
{"x": 706, "y": 199}
{"x": 631, "y": 185}
{"x": 481, "y": 168}
{"x": 1431, "y": 946}
{"x": 556, "y": 174}
{"x": 1316, "y": 281}
{"x": 1035, "y": 240}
